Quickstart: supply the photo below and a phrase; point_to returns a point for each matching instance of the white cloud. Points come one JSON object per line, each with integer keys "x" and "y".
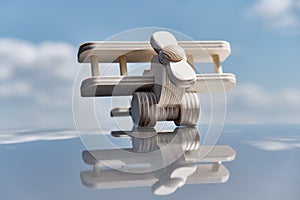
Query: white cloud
{"x": 17, "y": 53}
{"x": 277, "y": 13}
{"x": 277, "y": 144}
{"x": 272, "y": 8}
{"x": 249, "y": 103}
{"x": 36, "y": 83}
{"x": 15, "y": 89}
{"x": 5, "y": 73}
{"x": 53, "y": 56}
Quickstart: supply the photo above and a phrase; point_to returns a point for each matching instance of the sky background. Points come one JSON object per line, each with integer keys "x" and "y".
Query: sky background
{"x": 39, "y": 42}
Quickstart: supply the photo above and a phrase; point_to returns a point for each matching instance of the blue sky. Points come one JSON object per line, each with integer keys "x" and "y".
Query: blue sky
{"x": 39, "y": 40}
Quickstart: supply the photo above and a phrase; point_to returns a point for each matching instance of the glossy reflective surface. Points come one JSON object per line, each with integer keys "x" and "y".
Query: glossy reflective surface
{"x": 50, "y": 165}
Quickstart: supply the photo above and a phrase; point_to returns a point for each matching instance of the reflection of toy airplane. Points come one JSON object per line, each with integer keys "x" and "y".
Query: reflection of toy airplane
{"x": 163, "y": 174}
{"x": 166, "y": 92}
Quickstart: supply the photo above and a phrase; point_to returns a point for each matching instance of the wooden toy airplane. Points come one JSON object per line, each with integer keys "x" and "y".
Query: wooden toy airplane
{"x": 168, "y": 90}
{"x": 186, "y": 167}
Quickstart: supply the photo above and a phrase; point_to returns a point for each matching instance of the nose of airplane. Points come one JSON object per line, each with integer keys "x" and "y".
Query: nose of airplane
{"x": 173, "y": 56}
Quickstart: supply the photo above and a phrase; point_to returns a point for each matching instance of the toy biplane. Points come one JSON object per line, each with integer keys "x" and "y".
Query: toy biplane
{"x": 168, "y": 90}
